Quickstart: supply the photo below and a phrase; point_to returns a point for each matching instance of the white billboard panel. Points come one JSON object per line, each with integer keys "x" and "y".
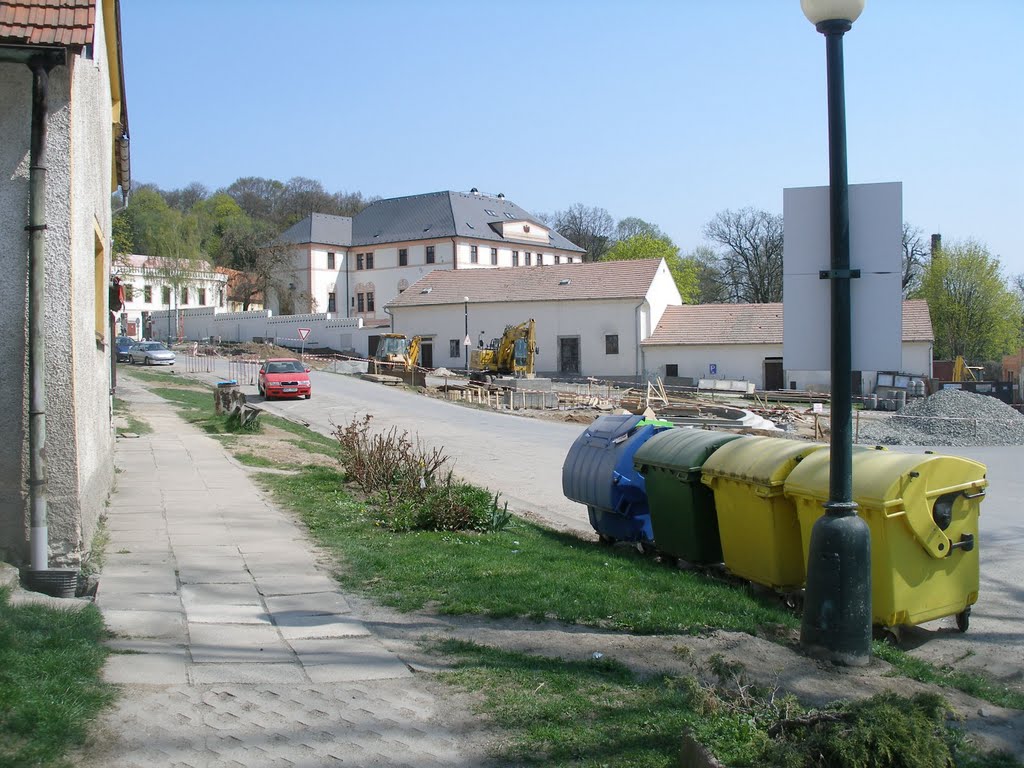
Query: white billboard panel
{"x": 876, "y": 249}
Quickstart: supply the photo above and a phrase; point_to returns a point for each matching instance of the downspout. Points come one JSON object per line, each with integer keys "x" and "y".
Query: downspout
{"x": 348, "y": 298}
{"x": 389, "y": 314}
{"x": 37, "y": 482}
{"x": 636, "y": 314}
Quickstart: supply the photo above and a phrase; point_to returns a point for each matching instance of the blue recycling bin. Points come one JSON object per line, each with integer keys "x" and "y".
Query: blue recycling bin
{"x": 598, "y": 472}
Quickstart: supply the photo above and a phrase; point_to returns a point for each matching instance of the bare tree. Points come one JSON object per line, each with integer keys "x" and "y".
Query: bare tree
{"x": 589, "y": 228}
{"x": 915, "y": 253}
{"x": 631, "y": 226}
{"x": 185, "y": 198}
{"x": 751, "y": 262}
{"x": 250, "y": 247}
{"x": 711, "y": 287}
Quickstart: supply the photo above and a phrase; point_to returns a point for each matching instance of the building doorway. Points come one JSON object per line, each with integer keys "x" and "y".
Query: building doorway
{"x": 773, "y": 378}
{"x": 569, "y": 355}
{"x": 426, "y": 355}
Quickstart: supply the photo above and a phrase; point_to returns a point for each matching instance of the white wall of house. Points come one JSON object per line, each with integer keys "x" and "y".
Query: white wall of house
{"x": 200, "y": 289}
{"x": 745, "y": 362}
{"x": 78, "y": 408}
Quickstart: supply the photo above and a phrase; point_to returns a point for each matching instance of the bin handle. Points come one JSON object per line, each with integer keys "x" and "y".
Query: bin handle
{"x": 966, "y": 542}
{"x": 979, "y": 495}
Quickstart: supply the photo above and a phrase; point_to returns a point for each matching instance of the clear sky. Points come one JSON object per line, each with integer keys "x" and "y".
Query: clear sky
{"x": 670, "y": 110}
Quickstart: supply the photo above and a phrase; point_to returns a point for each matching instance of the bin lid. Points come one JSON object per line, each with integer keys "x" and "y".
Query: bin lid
{"x": 758, "y": 460}
{"x": 883, "y": 478}
{"x": 610, "y": 428}
{"x": 683, "y": 449}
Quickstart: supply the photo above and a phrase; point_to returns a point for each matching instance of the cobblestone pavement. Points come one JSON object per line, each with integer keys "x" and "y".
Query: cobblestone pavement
{"x": 237, "y": 649}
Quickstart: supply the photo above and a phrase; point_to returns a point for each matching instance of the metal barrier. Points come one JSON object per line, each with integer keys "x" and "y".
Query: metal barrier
{"x": 242, "y": 370}
{"x": 197, "y": 363}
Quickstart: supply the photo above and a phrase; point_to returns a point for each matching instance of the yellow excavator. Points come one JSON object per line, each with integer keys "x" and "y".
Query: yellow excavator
{"x": 513, "y": 354}
{"x": 964, "y": 372}
{"x": 395, "y": 352}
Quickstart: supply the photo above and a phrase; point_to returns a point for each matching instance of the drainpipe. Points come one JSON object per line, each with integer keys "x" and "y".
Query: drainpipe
{"x": 636, "y": 314}
{"x": 39, "y": 536}
{"x": 348, "y": 299}
{"x": 389, "y": 314}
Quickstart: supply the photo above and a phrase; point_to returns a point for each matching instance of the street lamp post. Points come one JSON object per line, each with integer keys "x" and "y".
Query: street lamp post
{"x": 465, "y": 339}
{"x": 837, "y": 603}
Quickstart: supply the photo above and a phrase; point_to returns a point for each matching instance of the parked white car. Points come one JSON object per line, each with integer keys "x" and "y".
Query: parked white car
{"x": 150, "y": 353}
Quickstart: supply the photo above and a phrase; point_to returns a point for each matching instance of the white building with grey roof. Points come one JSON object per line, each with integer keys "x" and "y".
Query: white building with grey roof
{"x": 354, "y": 266}
{"x": 590, "y": 318}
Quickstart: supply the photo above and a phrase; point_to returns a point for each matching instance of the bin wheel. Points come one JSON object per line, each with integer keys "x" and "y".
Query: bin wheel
{"x": 891, "y": 636}
{"x": 794, "y": 601}
{"x": 604, "y": 539}
{"x": 963, "y": 619}
{"x": 644, "y": 548}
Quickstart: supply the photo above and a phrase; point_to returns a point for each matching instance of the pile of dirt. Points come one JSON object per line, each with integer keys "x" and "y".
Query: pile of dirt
{"x": 949, "y": 417}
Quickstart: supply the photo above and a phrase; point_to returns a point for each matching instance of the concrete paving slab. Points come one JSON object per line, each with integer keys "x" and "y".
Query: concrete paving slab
{"x": 341, "y": 651}
{"x": 200, "y": 574}
{"x": 193, "y": 595}
{"x": 145, "y": 669}
{"x": 137, "y": 601}
{"x": 141, "y": 645}
{"x": 306, "y": 627}
{"x": 270, "y": 586}
{"x": 247, "y": 674}
{"x": 314, "y": 603}
{"x": 234, "y": 643}
{"x": 223, "y": 613}
{"x": 155, "y": 581}
{"x": 162, "y": 624}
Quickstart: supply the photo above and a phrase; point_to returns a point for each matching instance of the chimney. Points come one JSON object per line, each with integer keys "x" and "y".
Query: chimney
{"x": 936, "y": 244}
{"x": 474, "y": 191}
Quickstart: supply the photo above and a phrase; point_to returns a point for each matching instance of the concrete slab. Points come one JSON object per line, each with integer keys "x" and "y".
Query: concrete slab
{"x": 306, "y": 627}
{"x": 234, "y": 643}
{"x": 136, "y": 601}
{"x": 248, "y": 674}
{"x": 152, "y": 582}
{"x": 161, "y": 624}
{"x": 214, "y": 613}
{"x": 271, "y": 586}
{"x": 314, "y": 603}
{"x": 342, "y": 651}
{"x": 199, "y": 574}
{"x": 145, "y": 669}
{"x": 194, "y": 595}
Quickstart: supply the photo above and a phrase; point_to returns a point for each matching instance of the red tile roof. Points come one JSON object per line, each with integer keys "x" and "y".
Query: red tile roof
{"x": 69, "y": 23}
{"x": 756, "y": 324}
{"x": 555, "y": 282}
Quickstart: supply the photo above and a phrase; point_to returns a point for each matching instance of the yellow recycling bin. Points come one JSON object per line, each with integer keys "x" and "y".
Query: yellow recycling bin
{"x": 922, "y": 511}
{"x": 758, "y": 525}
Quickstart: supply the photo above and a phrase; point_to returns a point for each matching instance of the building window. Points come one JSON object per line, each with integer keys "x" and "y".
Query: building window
{"x": 129, "y": 291}
{"x": 202, "y": 297}
{"x": 184, "y": 295}
{"x": 494, "y": 255}
{"x": 671, "y": 370}
{"x": 472, "y": 254}
{"x": 369, "y": 301}
{"x": 359, "y": 261}
{"x": 369, "y": 261}
{"x": 558, "y": 259}
{"x": 147, "y": 294}
{"x": 527, "y": 258}
{"x": 403, "y": 257}
{"x": 611, "y": 344}
{"x": 165, "y": 295}
{"x": 220, "y": 296}
{"x": 331, "y": 302}
{"x": 453, "y": 349}
{"x": 330, "y": 260}
{"x": 540, "y": 259}
{"x": 515, "y": 258}
{"x": 360, "y": 303}
{"x": 430, "y": 254}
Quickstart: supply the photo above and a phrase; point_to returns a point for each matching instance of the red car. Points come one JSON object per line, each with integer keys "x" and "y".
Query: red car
{"x": 284, "y": 377}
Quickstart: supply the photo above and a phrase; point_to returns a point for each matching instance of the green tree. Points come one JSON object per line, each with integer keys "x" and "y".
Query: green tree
{"x": 650, "y": 247}
{"x": 975, "y": 313}
{"x": 215, "y": 216}
{"x": 706, "y": 265}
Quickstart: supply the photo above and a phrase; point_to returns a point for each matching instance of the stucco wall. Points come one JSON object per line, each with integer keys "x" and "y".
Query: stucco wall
{"x": 79, "y": 440}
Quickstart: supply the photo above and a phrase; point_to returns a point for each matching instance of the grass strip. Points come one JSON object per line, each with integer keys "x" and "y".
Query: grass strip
{"x": 971, "y": 683}
{"x": 524, "y": 570}
{"x": 135, "y": 424}
{"x": 597, "y": 713}
{"x": 50, "y": 685}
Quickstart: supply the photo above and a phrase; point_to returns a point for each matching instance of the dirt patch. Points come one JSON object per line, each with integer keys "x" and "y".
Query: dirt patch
{"x": 774, "y": 663}
{"x": 280, "y": 447}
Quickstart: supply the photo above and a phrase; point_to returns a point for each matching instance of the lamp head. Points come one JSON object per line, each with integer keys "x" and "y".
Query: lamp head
{"x": 818, "y": 11}
{"x": 465, "y": 299}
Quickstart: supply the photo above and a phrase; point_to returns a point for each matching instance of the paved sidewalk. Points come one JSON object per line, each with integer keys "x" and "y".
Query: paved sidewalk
{"x": 243, "y": 652}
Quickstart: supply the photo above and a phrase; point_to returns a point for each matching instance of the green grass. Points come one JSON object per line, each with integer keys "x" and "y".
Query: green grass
{"x": 252, "y": 460}
{"x": 50, "y": 686}
{"x": 970, "y": 683}
{"x": 597, "y": 713}
{"x": 153, "y": 374}
{"x": 524, "y": 570}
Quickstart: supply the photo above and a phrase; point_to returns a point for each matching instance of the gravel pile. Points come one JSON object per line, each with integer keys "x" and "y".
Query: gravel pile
{"x": 949, "y": 417}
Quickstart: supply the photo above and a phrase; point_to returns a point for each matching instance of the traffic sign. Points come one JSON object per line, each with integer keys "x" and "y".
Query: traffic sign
{"x": 303, "y": 333}
{"x": 466, "y": 342}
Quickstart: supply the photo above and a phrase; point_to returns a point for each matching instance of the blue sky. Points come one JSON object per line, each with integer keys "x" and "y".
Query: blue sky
{"x": 670, "y": 111}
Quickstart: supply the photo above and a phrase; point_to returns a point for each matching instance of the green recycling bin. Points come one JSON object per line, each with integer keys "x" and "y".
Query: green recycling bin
{"x": 683, "y": 516}
{"x": 758, "y": 523}
{"x": 922, "y": 512}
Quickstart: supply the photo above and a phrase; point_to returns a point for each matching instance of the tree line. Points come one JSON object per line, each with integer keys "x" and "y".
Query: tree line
{"x": 977, "y": 310}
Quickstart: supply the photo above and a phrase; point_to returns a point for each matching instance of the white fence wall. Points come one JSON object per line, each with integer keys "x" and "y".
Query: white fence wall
{"x": 325, "y": 329}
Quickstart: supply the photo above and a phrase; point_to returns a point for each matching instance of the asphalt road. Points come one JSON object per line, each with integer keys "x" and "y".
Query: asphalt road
{"x": 522, "y": 458}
